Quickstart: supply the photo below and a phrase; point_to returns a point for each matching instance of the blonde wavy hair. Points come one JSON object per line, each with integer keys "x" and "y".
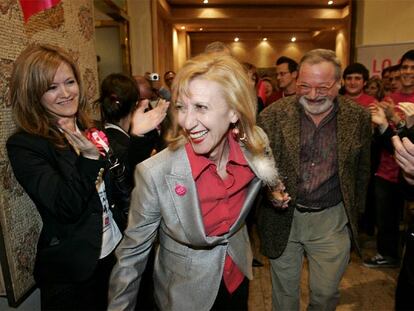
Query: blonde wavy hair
{"x": 227, "y": 72}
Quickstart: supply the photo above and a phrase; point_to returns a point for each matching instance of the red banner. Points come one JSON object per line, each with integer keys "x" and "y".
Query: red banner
{"x": 31, "y": 7}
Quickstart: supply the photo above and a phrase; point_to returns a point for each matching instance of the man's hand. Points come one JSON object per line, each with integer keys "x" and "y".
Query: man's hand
{"x": 389, "y": 108}
{"x": 404, "y": 156}
{"x": 378, "y": 117}
{"x": 408, "y": 109}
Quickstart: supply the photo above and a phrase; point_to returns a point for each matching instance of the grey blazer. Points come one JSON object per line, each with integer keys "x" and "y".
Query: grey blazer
{"x": 188, "y": 264}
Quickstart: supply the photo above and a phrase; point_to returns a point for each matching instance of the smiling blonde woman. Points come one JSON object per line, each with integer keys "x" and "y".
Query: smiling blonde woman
{"x": 196, "y": 195}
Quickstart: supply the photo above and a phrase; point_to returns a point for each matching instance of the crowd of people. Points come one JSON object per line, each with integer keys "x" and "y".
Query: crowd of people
{"x": 146, "y": 208}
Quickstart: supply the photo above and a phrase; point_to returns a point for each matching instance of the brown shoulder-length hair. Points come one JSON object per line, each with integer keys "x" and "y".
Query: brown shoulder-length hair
{"x": 236, "y": 90}
{"x": 33, "y": 72}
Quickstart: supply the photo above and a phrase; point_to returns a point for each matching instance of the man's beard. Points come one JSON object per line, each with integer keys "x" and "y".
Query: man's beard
{"x": 317, "y": 106}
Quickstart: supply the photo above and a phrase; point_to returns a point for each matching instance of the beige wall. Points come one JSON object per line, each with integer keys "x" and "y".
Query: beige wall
{"x": 261, "y": 54}
{"x": 140, "y": 32}
{"x": 384, "y": 22}
{"x": 162, "y": 41}
{"x": 181, "y": 47}
{"x": 151, "y": 38}
{"x": 342, "y": 46}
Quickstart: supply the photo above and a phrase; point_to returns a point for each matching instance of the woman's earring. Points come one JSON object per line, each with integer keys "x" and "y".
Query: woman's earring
{"x": 236, "y": 133}
{"x": 243, "y": 138}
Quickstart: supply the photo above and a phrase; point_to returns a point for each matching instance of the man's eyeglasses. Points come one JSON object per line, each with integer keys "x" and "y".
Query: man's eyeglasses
{"x": 320, "y": 90}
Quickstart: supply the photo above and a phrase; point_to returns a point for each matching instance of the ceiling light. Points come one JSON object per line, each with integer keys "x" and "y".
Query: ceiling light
{"x": 264, "y": 39}
{"x": 201, "y": 28}
{"x": 293, "y": 39}
{"x": 205, "y": 1}
{"x": 236, "y": 39}
{"x": 182, "y": 27}
{"x": 330, "y": 2}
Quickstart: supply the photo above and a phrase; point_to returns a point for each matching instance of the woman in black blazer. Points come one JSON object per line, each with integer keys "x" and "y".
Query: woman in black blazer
{"x": 61, "y": 164}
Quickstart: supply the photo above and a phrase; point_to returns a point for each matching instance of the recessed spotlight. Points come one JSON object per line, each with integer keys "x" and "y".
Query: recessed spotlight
{"x": 333, "y": 28}
{"x": 201, "y": 28}
{"x": 205, "y": 1}
{"x": 264, "y": 39}
{"x": 182, "y": 27}
{"x": 330, "y": 2}
{"x": 293, "y": 39}
{"x": 237, "y": 39}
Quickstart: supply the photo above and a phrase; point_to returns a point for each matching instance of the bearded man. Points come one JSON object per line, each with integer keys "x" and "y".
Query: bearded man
{"x": 321, "y": 144}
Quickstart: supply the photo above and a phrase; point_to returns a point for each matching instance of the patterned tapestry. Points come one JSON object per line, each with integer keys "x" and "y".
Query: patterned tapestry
{"x": 68, "y": 24}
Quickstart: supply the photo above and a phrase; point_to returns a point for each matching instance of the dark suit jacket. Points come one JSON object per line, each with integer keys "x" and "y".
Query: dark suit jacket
{"x": 131, "y": 150}
{"x": 281, "y": 122}
{"x": 62, "y": 186}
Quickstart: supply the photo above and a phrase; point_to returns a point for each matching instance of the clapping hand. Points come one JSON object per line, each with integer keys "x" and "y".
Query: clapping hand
{"x": 78, "y": 141}
{"x": 388, "y": 106}
{"x": 378, "y": 117}
{"x": 408, "y": 109}
{"x": 143, "y": 121}
{"x": 404, "y": 156}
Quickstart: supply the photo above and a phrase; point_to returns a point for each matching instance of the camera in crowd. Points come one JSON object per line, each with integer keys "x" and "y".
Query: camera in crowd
{"x": 154, "y": 76}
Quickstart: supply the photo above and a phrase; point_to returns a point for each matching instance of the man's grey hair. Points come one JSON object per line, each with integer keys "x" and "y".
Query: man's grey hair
{"x": 318, "y": 56}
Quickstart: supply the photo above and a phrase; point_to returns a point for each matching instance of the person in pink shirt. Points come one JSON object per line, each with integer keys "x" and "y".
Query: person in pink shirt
{"x": 389, "y": 201}
{"x": 355, "y": 78}
{"x": 195, "y": 195}
{"x": 404, "y": 94}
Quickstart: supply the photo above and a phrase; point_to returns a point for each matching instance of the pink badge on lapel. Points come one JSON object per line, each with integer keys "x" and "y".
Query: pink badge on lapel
{"x": 180, "y": 190}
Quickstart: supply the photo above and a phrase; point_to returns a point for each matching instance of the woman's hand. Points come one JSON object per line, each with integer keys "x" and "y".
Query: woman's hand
{"x": 408, "y": 109}
{"x": 143, "y": 122}
{"x": 86, "y": 148}
{"x": 278, "y": 197}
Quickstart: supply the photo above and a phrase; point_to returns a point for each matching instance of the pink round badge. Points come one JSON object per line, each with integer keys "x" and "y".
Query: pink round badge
{"x": 180, "y": 190}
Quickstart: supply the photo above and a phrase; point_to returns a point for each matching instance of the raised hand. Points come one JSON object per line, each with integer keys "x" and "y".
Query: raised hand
{"x": 143, "y": 121}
